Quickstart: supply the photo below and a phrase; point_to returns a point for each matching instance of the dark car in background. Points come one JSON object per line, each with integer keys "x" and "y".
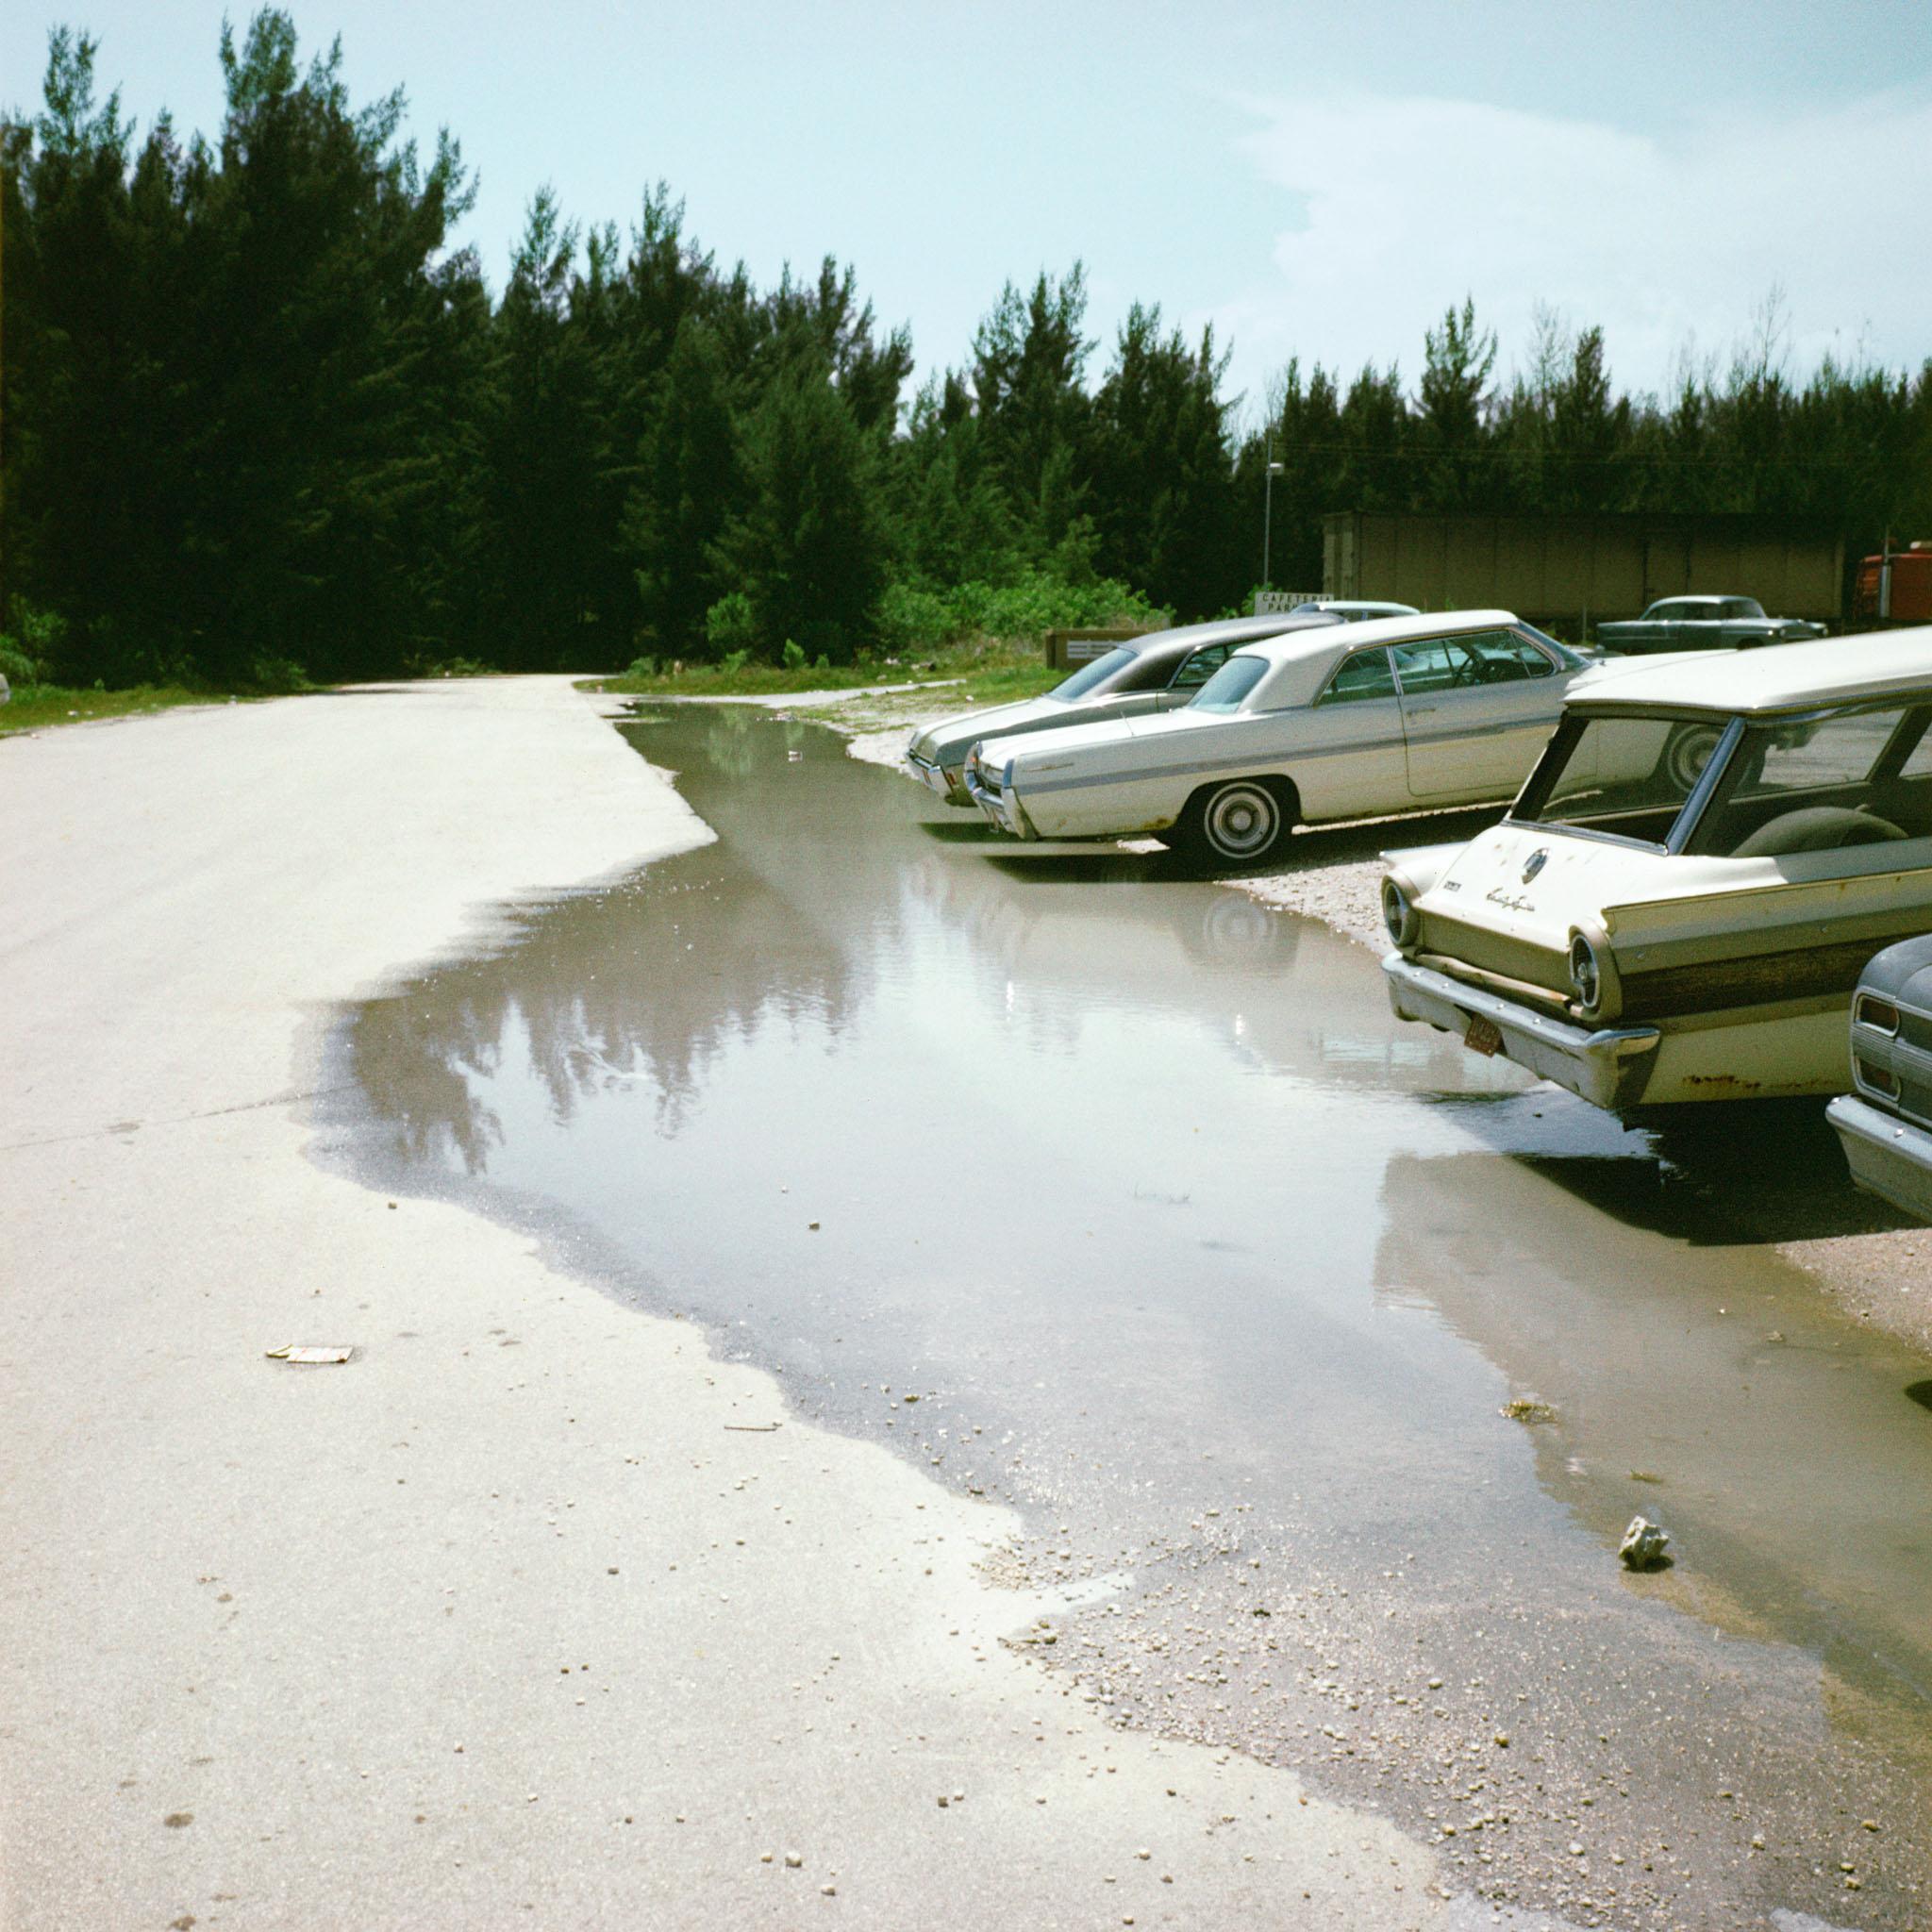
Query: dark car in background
{"x": 1885, "y": 1125}
{"x": 1703, "y": 623}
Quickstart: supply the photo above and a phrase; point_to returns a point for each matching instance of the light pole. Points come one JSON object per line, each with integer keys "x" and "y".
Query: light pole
{"x": 1275, "y": 470}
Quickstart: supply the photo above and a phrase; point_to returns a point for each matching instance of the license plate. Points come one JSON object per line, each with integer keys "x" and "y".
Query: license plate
{"x": 1484, "y": 1036}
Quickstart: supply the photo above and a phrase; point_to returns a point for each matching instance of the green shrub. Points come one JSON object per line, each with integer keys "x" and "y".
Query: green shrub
{"x": 792, "y": 656}
{"x": 273, "y": 674}
{"x": 16, "y": 667}
{"x": 735, "y": 661}
{"x": 643, "y": 667}
{"x": 915, "y": 618}
{"x": 731, "y": 625}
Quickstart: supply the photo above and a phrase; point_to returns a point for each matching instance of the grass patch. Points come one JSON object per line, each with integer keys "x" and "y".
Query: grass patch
{"x": 34, "y": 707}
{"x": 993, "y": 672}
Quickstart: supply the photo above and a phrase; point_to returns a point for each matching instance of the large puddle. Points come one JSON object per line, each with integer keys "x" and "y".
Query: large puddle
{"x": 1108, "y": 1194}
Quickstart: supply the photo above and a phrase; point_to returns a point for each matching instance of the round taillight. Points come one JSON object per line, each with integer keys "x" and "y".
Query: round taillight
{"x": 1398, "y": 912}
{"x": 1586, "y": 974}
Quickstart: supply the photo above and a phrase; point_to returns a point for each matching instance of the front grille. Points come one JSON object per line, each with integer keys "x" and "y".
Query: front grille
{"x": 1915, "y": 1029}
{"x": 1913, "y": 1099}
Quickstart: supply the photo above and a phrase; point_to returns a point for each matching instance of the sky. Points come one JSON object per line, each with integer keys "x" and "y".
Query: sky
{"x": 1312, "y": 179}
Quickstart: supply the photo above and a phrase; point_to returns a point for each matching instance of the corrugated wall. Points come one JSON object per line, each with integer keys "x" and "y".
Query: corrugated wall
{"x": 1564, "y": 569}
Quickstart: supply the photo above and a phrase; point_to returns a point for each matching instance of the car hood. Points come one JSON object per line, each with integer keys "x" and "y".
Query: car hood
{"x": 961, "y": 731}
{"x": 1589, "y": 682}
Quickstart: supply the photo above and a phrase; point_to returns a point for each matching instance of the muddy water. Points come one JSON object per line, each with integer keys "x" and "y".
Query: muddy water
{"x": 1104, "y": 1192}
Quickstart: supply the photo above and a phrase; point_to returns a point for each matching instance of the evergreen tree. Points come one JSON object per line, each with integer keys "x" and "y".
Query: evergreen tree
{"x": 1161, "y": 472}
{"x": 1459, "y": 360}
{"x": 689, "y": 486}
{"x": 811, "y": 549}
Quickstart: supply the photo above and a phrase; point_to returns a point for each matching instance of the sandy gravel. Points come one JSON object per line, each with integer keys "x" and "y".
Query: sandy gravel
{"x": 526, "y": 1616}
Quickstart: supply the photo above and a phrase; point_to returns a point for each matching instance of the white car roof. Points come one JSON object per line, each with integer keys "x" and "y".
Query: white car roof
{"x": 1334, "y": 641}
{"x": 1299, "y": 661}
{"x": 1780, "y": 677}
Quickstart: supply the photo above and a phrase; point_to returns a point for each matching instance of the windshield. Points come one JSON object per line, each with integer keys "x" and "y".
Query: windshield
{"x": 1626, "y": 776}
{"x": 1225, "y": 689}
{"x": 1564, "y": 654}
{"x": 1084, "y": 679}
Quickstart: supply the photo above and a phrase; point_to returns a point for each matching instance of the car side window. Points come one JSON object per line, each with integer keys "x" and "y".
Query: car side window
{"x": 1503, "y": 657}
{"x": 1430, "y": 667}
{"x": 1198, "y": 669}
{"x": 1366, "y": 675}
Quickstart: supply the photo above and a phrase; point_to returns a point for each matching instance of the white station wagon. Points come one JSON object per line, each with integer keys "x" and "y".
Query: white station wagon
{"x": 1678, "y": 905}
{"x": 1354, "y": 721}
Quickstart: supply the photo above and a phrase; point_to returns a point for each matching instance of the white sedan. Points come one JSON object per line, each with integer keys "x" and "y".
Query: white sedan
{"x": 1395, "y": 714}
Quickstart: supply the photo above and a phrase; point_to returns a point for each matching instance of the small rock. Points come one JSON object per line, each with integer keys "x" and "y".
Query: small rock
{"x": 1503, "y": 1740}
{"x": 1644, "y": 1544}
{"x": 794, "y": 1859}
{"x": 1576, "y": 1849}
{"x": 829, "y": 1890}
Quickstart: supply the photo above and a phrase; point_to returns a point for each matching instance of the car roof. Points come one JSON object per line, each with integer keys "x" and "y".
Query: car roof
{"x": 1779, "y": 677}
{"x": 1336, "y": 639}
{"x": 1225, "y": 630}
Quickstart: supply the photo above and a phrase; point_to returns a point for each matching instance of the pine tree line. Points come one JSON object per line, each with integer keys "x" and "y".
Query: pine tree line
{"x": 261, "y": 419}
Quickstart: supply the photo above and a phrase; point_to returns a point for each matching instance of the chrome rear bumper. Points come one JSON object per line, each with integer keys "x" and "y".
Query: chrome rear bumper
{"x": 1608, "y": 1066}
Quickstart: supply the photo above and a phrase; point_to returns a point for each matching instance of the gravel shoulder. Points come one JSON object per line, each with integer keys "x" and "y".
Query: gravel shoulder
{"x": 1882, "y": 1271}
{"x": 533, "y": 1612}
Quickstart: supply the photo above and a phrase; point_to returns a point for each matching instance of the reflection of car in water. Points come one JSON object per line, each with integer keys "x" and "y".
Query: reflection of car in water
{"x": 1395, "y": 714}
{"x": 1294, "y": 997}
{"x": 1142, "y": 677}
{"x": 1885, "y": 1123}
{"x": 1703, "y": 623}
{"x": 1663, "y": 919}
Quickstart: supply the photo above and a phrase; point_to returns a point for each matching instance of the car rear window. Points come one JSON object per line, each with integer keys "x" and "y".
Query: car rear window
{"x": 1084, "y": 679}
{"x": 1225, "y": 689}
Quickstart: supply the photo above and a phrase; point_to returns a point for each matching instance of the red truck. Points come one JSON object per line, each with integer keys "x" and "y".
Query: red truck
{"x": 1895, "y": 588}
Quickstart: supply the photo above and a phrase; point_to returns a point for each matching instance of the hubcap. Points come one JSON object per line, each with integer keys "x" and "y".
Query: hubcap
{"x": 1690, "y": 755}
{"x": 1240, "y": 822}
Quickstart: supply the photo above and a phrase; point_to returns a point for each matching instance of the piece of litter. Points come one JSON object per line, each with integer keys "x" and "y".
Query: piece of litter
{"x": 1527, "y": 1409}
{"x": 752, "y": 1428}
{"x": 1644, "y": 1545}
{"x": 291, "y": 1352}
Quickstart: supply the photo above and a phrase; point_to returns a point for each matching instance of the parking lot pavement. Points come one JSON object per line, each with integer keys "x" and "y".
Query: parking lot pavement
{"x": 523, "y": 1614}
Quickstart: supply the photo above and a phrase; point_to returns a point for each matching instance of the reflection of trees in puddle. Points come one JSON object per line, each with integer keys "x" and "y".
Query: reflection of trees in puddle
{"x": 1793, "y": 1477}
{"x": 647, "y": 983}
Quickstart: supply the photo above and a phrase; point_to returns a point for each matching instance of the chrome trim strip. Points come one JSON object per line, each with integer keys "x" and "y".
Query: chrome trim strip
{"x": 1708, "y": 781}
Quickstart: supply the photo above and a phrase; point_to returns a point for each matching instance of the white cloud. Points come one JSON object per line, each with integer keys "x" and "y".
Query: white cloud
{"x": 1393, "y": 209}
